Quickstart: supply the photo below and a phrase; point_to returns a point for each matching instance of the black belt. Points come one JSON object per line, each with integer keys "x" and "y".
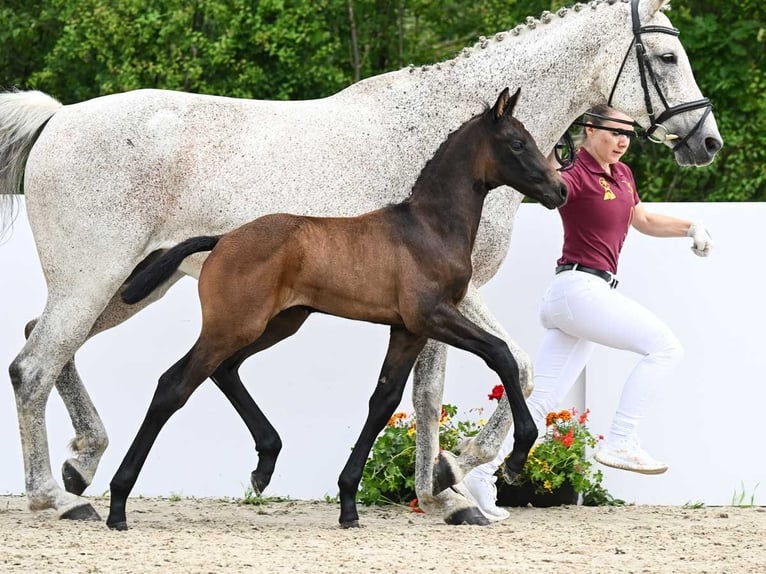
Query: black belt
{"x": 605, "y": 275}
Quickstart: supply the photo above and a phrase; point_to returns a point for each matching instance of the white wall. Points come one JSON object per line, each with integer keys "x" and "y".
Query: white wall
{"x": 315, "y": 386}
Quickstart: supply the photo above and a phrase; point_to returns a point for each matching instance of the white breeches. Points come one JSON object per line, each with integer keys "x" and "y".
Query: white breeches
{"x": 579, "y": 310}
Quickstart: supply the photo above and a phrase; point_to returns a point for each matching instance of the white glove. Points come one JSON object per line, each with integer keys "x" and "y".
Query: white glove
{"x": 703, "y": 243}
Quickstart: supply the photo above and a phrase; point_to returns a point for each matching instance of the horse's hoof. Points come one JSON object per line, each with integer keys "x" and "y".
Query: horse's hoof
{"x": 471, "y": 515}
{"x": 350, "y": 524}
{"x": 73, "y": 481}
{"x": 83, "y": 512}
{"x": 259, "y": 484}
{"x": 121, "y": 526}
{"x": 443, "y": 477}
{"x": 508, "y": 473}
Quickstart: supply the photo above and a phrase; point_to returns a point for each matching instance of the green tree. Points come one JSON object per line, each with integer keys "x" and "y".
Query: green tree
{"x": 298, "y": 49}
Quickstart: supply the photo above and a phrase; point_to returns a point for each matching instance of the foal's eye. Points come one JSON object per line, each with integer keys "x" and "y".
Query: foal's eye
{"x": 669, "y": 58}
{"x": 517, "y": 145}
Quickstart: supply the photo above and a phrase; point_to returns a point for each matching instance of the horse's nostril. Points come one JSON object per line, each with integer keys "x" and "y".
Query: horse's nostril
{"x": 713, "y": 144}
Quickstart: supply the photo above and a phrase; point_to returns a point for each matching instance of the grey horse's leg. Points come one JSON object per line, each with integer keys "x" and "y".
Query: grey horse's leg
{"x": 436, "y": 471}
{"x": 47, "y": 359}
{"x": 91, "y": 439}
{"x": 427, "y": 391}
{"x": 60, "y": 331}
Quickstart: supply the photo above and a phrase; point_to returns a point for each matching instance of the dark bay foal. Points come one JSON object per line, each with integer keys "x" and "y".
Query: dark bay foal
{"x": 407, "y": 265}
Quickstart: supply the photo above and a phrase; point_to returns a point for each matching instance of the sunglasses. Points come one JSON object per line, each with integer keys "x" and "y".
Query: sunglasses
{"x": 617, "y": 133}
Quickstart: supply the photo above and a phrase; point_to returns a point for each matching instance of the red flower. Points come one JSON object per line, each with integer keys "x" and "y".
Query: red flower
{"x": 568, "y": 438}
{"x": 414, "y": 506}
{"x": 497, "y": 393}
{"x": 584, "y": 416}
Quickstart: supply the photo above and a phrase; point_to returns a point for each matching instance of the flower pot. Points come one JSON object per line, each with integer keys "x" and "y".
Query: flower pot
{"x": 524, "y": 494}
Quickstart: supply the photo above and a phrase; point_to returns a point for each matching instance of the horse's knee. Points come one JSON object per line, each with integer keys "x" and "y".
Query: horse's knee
{"x": 24, "y": 380}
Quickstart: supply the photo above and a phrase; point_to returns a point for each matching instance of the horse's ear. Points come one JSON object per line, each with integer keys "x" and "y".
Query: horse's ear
{"x": 648, "y": 8}
{"x": 505, "y": 104}
{"x": 512, "y": 102}
{"x": 502, "y": 104}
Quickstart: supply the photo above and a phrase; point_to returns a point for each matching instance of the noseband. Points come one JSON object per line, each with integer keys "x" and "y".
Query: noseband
{"x": 657, "y": 132}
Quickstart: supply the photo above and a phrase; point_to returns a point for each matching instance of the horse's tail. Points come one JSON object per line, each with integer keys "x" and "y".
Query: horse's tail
{"x": 162, "y": 268}
{"x": 22, "y": 117}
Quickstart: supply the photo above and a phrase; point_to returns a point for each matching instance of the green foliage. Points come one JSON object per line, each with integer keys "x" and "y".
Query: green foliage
{"x": 561, "y": 456}
{"x": 252, "y": 499}
{"x": 299, "y": 49}
{"x": 389, "y": 474}
{"x": 742, "y": 499}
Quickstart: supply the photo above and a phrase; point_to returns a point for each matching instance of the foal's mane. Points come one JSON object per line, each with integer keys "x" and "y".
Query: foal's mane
{"x": 441, "y": 150}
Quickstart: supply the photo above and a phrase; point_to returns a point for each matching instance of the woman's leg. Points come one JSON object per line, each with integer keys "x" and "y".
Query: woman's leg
{"x": 608, "y": 317}
{"x": 560, "y": 360}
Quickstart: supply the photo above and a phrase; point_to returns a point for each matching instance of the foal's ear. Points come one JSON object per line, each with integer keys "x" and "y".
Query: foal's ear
{"x": 505, "y": 104}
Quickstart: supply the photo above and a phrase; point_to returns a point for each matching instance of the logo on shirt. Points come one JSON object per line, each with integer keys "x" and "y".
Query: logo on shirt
{"x": 630, "y": 187}
{"x": 608, "y": 193}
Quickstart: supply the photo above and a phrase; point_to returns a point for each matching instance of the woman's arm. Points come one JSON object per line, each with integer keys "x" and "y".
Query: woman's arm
{"x": 658, "y": 225}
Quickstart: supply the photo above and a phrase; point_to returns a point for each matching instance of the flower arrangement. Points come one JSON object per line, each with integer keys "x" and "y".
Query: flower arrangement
{"x": 389, "y": 475}
{"x": 560, "y": 459}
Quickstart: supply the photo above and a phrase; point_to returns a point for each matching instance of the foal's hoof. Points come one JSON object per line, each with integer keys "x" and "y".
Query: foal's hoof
{"x": 350, "y": 524}
{"x": 258, "y": 482}
{"x": 470, "y": 515}
{"x": 83, "y": 512}
{"x": 119, "y": 526}
{"x": 444, "y": 477}
{"x": 73, "y": 481}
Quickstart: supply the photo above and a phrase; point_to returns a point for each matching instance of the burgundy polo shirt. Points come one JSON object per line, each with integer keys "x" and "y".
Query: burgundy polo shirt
{"x": 597, "y": 213}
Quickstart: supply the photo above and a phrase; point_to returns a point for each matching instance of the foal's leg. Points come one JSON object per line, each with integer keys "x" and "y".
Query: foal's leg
{"x": 267, "y": 441}
{"x": 173, "y": 390}
{"x": 403, "y": 349}
{"x": 448, "y": 325}
{"x": 484, "y": 446}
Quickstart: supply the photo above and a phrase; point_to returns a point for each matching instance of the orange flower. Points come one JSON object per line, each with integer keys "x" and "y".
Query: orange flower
{"x": 444, "y": 416}
{"x": 550, "y": 418}
{"x": 395, "y": 418}
{"x": 565, "y": 416}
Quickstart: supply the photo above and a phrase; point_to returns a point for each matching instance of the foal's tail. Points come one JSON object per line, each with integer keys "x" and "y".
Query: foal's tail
{"x": 162, "y": 268}
{"x": 22, "y": 117}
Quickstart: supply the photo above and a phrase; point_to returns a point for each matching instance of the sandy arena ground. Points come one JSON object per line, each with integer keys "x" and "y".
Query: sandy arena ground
{"x": 210, "y": 535}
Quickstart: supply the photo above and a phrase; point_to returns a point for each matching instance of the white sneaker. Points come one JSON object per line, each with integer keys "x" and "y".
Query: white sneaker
{"x": 628, "y": 455}
{"x": 480, "y": 489}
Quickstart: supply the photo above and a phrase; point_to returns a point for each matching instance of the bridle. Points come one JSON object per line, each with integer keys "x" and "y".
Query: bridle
{"x": 656, "y": 132}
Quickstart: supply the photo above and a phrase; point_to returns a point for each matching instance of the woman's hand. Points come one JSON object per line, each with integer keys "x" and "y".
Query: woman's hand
{"x": 702, "y": 242}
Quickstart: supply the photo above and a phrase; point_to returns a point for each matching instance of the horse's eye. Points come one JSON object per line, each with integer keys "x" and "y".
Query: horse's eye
{"x": 517, "y": 145}
{"x": 669, "y": 58}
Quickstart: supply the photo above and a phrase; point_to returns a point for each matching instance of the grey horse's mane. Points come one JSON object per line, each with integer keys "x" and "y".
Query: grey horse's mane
{"x": 530, "y": 23}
